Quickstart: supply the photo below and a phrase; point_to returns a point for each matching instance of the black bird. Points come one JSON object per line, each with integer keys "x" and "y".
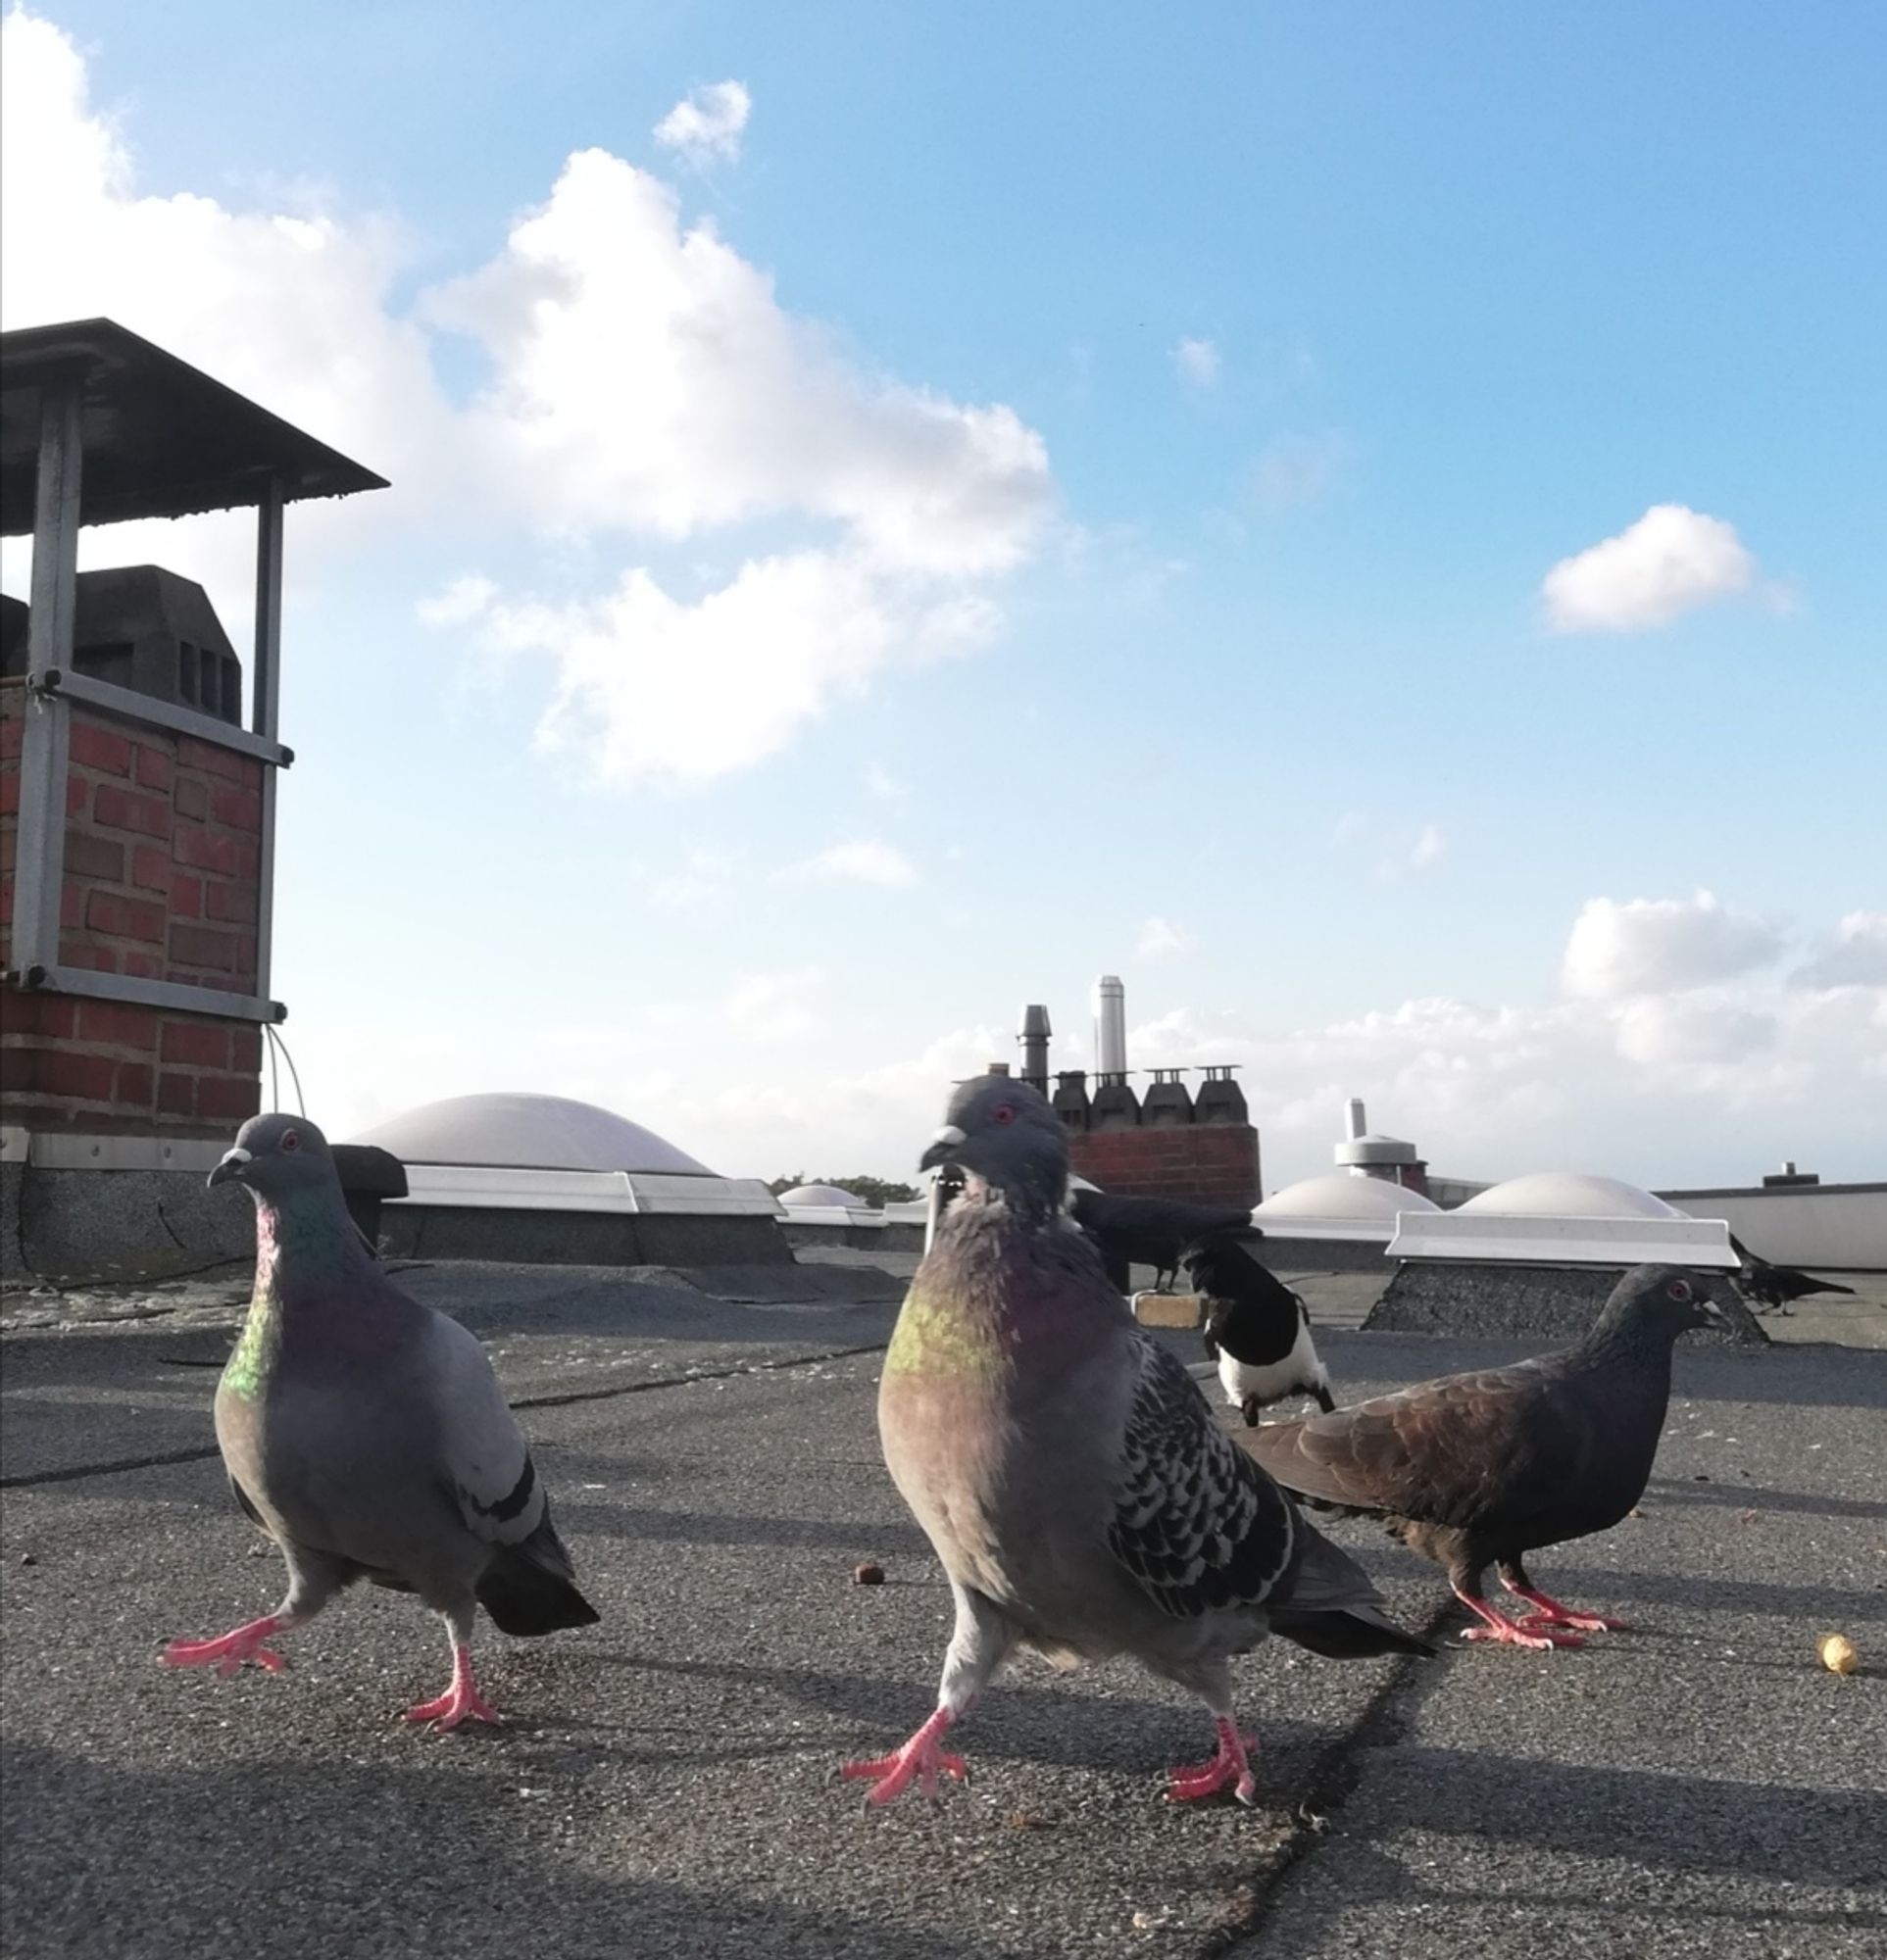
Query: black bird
{"x": 1773, "y": 1287}
{"x": 1150, "y": 1231}
{"x": 1479, "y": 1469}
{"x": 1256, "y": 1329}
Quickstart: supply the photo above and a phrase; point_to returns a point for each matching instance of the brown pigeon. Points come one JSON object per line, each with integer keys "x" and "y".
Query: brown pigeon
{"x": 1479, "y": 1469}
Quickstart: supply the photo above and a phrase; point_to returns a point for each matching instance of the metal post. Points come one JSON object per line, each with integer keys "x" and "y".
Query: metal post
{"x": 39, "y": 876}
{"x": 265, "y": 708}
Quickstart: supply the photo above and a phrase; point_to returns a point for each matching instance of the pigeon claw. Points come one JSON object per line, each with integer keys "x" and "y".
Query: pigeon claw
{"x": 1230, "y": 1769}
{"x": 1549, "y": 1612}
{"x": 922, "y": 1760}
{"x": 446, "y": 1711}
{"x": 228, "y": 1652}
{"x": 1523, "y": 1634}
{"x": 461, "y": 1702}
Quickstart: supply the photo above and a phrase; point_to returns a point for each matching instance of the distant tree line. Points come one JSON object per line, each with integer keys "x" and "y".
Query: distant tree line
{"x": 875, "y": 1190}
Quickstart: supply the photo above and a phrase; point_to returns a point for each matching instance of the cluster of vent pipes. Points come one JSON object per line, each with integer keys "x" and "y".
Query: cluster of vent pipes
{"x": 1110, "y": 1034}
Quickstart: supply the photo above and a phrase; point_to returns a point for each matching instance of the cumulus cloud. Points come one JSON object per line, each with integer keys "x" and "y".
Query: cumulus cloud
{"x": 770, "y": 1007}
{"x": 1296, "y": 470}
{"x": 1198, "y": 362}
{"x": 1661, "y": 945}
{"x": 1670, "y": 561}
{"x": 866, "y": 861}
{"x": 707, "y": 123}
{"x": 1854, "y": 955}
{"x": 642, "y": 387}
{"x": 1160, "y": 939}
{"x": 1429, "y": 847}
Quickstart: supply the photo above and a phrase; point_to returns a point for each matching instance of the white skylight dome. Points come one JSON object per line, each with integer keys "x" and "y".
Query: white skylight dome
{"x": 1338, "y": 1195}
{"x": 517, "y": 1132}
{"x": 1560, "y": 1194}
{"x": 517, "y": 1152}
{"x": 823, "y": 1194}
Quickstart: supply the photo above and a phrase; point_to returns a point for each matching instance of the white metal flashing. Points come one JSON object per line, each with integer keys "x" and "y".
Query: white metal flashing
{"x": 1539, "y": 1239}
{"x": 489, "y": 1188}
{"x": 61, "y": 1150}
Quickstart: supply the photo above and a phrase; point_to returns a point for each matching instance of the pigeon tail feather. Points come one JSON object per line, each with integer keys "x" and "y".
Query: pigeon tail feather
{"x": 1334, "y": 1610}
{"x": 528, "y": 1588}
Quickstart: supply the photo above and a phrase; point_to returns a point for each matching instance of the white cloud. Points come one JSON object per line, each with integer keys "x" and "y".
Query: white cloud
{"x": 1691, "y": 1029}
{"x": 1854, "y": 955}
{"x": 1160, "y": 939}
{"x": 865, "y": 862}
{"x": 1396, "y": 850}
{"x": 1661, "y": 945}
{"x": 460, "y": 603}
{"x": 879, "y": 782}
{"x": 707, "y": 123}
{"x": 1296, "y": 470}
{"x": 1198, "y": 362}
{"x": 641, "y": 383}
{"x": 773, "y": 1007}
{"x": 654, "y": 687}
{"x": 1671, "y": 561}
{"x": 700, "y": 880}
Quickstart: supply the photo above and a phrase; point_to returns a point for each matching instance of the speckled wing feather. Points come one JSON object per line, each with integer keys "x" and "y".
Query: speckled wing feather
{"x": 1443, "y": 1452}
{"x": 1195, "y": 1521}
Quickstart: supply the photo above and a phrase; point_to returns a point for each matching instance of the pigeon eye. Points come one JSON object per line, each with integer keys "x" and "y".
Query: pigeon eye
{"x": 1679, "y": 1290}
{"x": 1004, "y": 1112}
{"x": 290, "y": 1141}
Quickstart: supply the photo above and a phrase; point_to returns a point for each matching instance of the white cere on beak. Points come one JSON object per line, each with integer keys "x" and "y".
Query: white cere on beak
{"x": 949, "y": 1135}
{"x": 235, "y": 1153}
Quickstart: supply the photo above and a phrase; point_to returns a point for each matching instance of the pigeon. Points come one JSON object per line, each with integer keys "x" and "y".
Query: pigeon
{"x": 1082, "y": 1497}
{"x": 1150, "y": 1231}
{"x": 1773, "y": 1286}
{"x": 1256, "y": 1329}
{"x": 1478, "y": 1469}
{"x": 367, "y": 1436}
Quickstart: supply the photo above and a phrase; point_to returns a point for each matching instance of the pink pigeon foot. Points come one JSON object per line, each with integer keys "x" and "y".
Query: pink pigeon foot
{"x": 229, "y": 1653}
{"x": 461, "y": 1702}
{"x": 1503, "y": 1631}
{"x": 1550, "y": 1613}
{"x": 920, "y": 1758}
{"x": 1230, "y": 1769}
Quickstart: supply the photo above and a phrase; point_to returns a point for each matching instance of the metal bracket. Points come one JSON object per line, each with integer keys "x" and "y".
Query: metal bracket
{"x": 138, "y": 991}
{"x": 126, "y": 704}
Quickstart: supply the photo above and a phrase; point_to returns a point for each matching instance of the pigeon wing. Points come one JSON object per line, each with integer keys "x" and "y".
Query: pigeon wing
{"x": 1196, "y": 1522}
{"x": 484, "y": 1460}
{"x": 1446, "y": 1452}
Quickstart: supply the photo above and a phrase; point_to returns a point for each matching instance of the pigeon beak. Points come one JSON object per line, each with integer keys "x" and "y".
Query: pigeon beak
{"x": 946, "y": 1142}
{"x": 231, "y": 1167}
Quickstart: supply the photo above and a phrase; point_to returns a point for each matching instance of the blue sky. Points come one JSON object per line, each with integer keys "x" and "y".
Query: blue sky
{"x": 1086, "y": 500}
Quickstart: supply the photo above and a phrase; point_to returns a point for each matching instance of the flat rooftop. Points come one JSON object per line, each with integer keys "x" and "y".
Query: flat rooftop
{"x": 1698, "y": 1786}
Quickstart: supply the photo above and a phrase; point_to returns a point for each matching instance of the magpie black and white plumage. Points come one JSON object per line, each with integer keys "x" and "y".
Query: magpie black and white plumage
{"x": 1150, "y": 1231}
{"x": 1256, "y": 1329}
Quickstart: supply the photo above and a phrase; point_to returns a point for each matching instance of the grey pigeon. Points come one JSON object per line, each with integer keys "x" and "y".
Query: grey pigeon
{"x": 1133, "y": 1231}
{"x": 1082, "y": 1497}
{"x": 1480, "y": 1469}
{"x": 367, "y": 1435}
{"x": 1256, "y": 1329}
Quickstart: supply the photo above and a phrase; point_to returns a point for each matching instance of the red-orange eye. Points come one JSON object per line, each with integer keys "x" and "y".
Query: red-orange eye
{"x": 290, "y": 1141}
{"x": 1679, "y": 1290}
{"x": 1004, "y": 1112}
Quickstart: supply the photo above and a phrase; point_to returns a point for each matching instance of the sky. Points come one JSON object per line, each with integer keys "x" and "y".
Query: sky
{"x": 1368, "y": 522}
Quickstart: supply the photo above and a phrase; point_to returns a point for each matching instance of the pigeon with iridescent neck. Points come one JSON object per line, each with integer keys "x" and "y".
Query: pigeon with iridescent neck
{"x": 1081, "y": 1497}
{"x": 367, "y": 1435}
